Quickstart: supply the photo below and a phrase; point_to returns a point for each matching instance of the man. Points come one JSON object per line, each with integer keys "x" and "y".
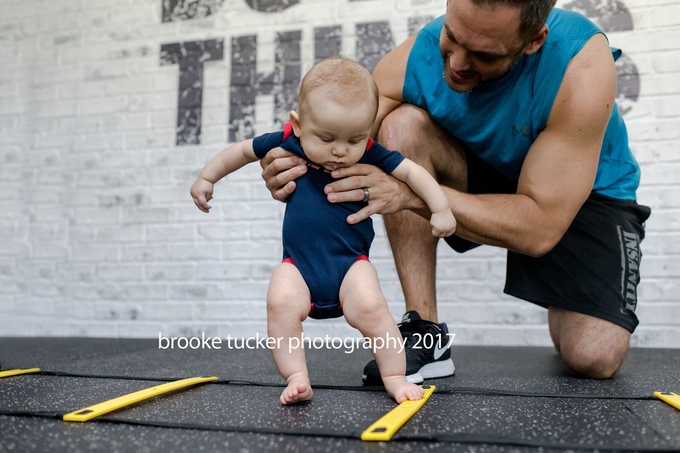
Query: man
{"x": 511, "y": 107}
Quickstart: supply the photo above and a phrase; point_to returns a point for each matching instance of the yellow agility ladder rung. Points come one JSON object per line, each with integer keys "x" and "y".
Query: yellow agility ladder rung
{"x": 669, "y": 397}
{"x": 8, "y": 373}
{"x": 88, "y": 413}
{"x": 389, "y": 424}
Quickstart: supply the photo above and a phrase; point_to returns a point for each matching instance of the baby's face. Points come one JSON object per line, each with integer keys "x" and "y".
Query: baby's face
{"x": 334, "y": 134}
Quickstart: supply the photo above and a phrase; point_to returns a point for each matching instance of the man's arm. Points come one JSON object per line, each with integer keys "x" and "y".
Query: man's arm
{"x": 558, "y": 173}
{"x": 556, "y": 178}
{"x": 389, "y": 75}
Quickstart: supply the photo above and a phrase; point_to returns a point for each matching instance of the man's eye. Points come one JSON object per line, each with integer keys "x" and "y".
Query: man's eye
{"x": 486, "y": 58}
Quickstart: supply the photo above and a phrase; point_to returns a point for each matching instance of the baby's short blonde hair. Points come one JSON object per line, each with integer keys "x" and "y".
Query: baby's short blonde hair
{"x": 350, "y": 82}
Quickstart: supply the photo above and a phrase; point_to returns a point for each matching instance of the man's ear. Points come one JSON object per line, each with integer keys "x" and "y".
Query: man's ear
{"x": 537, "y": 41}
{"x": 295, "y": 121}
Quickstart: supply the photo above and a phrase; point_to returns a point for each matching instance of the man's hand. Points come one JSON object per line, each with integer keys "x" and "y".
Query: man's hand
{"x": 279, "y": 169}
{"x": 443, "y": 224}
{"x": 202, "y": 192}
{"x": 387, "y": 194}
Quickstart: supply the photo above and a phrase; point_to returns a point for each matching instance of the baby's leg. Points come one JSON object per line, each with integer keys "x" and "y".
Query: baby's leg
{"x": 365, "y": 308}
{"x": 287, "y": 307}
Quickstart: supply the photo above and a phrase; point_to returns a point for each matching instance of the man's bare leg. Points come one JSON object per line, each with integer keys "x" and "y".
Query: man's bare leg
{"x": 591, "y": 347}
{"x": 410, "y": 130}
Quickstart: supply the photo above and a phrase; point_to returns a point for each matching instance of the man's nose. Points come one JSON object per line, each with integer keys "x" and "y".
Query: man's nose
{"x": 459, "y": 61}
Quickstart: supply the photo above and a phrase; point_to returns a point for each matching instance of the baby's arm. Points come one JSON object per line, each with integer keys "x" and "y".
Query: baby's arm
{"x": 227, "y": 161}
{"x": 426, "y": 187}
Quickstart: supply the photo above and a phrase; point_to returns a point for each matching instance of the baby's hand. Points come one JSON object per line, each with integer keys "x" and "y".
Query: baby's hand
{"x": 443, "y": 224}
{"x": 202, "y": 192}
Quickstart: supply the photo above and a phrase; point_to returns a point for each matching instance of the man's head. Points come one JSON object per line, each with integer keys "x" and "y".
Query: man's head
{"x": 533, "y": 14}
{"x": 337, "y": 104}
{"x": 482, "y": 39}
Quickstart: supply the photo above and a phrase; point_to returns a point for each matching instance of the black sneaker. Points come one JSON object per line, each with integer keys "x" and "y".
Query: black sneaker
{"x": 428, "y": 351}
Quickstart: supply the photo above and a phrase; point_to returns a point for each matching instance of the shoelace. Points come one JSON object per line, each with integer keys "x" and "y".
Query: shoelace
{"x": 417, "y": 326}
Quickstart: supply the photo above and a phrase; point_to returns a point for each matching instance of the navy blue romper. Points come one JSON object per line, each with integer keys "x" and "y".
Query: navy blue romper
{"x": 316, "y": 236}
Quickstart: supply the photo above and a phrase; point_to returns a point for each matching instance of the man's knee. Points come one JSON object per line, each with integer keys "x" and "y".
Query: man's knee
{"x": 402, "y": 128}
{"x": 412, "y": 131}
{"x": 590, "y": 347}
{"x": 592, "y": 362}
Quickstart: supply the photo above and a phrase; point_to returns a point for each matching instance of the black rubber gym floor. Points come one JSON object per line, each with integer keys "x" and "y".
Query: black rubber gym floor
{"x": 500, "y": 399}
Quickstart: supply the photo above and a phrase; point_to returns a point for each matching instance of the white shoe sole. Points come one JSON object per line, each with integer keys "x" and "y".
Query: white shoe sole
{"x": 432, "y": 370}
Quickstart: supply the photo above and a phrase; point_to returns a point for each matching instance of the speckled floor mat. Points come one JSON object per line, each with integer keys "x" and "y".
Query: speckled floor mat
{"x": 501, "y": 399}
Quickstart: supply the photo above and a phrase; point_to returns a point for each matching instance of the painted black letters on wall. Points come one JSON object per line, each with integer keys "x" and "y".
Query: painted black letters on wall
{"x": 190, "y": 57}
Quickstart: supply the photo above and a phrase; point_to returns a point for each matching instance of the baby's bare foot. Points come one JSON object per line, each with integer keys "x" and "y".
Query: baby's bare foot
{"x": 401, "y": 390}
{"x": 299, "y": 389}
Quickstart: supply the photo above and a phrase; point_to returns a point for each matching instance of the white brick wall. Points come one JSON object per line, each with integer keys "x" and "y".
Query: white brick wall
{"x": 98, "y": 234}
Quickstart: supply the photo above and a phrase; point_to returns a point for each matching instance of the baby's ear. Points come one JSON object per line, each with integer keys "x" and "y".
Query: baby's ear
{"x": 295, "y": 121}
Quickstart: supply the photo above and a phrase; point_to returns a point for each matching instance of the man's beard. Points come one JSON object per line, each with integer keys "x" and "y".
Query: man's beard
{"x": 449, "y": 83}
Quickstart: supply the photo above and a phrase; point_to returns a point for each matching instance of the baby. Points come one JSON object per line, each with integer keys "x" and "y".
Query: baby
{"x": 325, "y": 272}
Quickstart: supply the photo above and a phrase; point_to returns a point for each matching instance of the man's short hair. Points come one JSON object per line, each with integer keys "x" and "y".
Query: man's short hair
{"x": 533, "y": 14}
{"x": 350, "y": 81}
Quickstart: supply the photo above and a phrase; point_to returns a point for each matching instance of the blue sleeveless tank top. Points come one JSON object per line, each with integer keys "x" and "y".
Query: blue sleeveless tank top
{"x": 500, "y": 120}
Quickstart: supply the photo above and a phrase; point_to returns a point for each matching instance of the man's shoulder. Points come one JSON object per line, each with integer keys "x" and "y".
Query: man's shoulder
{"x": 568, "y": 33}
{"x": 568, "y": 25}
{"x": 427, "y": 39}
{"x": 433, "y": 28}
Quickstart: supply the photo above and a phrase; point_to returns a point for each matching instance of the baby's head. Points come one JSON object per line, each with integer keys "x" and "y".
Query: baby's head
{"x": 344, "y": 80}
{"x": 337, "y": 106}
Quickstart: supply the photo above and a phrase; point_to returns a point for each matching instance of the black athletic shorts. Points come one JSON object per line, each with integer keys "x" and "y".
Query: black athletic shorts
{"x": 594, "y": 269}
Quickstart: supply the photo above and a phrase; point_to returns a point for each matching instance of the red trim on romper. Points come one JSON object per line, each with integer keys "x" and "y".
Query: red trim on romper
{"x": 369, "y": 143}
{"x": 287, "y": 130}
{"x": 361, "y": 257}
